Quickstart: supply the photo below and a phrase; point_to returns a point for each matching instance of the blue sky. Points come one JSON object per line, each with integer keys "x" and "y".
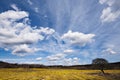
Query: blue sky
{"x": 62, "y": 32}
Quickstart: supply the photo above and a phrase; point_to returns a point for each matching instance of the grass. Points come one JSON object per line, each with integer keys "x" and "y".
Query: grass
{"x": 57, "y": 74}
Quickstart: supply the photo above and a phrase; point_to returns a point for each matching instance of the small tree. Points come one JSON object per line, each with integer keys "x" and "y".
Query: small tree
{"x": 100, "y": 63}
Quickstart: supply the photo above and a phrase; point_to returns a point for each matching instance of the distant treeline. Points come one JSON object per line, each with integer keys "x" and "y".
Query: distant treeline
{"x": 88, "y": 66}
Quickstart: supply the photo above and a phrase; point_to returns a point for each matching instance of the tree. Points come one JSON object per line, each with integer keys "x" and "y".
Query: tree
{"x": 100, "y": 63}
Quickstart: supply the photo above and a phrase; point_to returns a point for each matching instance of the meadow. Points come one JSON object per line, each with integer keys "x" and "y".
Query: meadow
{"x": 57, "y": 74}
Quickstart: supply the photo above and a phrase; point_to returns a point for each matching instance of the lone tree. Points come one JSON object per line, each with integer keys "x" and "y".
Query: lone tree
{"x": 100, "y": 63}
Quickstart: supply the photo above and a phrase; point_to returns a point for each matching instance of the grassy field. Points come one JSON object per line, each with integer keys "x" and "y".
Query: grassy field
{"x": 57, "y": 74}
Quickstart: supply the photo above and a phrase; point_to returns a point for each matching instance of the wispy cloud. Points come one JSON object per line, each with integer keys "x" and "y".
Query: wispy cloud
{"x": 109, "y": 50}
{"x": 56, "y": 57}
{"x": 68, "y": 51}
{"x": 14, "y": 7}
{"x": 30, "y": 2}
{"x": 39, "y": 58}
{"x": 71, "y": 61}
{"x": 112, "y": 12}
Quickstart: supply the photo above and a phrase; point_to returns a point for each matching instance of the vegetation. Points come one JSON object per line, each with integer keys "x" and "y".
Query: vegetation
{"x": 100, "y": 63}
{"x": 56, "y": 74}
{"x": 109, "y": 66}
{"x": 9, "y": 71}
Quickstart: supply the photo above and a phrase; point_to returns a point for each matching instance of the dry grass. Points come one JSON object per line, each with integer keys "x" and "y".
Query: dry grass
{"x": 57, "y": 74}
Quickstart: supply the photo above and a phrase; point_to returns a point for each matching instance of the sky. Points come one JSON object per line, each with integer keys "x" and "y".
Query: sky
{"x": 59, "y": 32}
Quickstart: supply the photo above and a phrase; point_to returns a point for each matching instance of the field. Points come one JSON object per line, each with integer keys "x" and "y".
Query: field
{"x": 57, "y": 74}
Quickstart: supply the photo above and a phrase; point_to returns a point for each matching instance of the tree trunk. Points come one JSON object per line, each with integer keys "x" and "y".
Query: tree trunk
{"x": 102, "y": 71}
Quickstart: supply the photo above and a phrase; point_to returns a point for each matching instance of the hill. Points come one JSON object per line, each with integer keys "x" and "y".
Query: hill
{"x": 115, "y": 65}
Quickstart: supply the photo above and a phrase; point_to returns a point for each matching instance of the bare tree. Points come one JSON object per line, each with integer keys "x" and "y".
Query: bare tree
{"x": 100, "y": 63}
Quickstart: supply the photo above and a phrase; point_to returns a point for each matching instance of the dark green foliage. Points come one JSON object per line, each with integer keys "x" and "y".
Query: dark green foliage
{"x": 100, "y": 63}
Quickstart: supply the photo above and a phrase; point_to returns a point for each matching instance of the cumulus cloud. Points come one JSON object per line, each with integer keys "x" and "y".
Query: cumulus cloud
{"x": 21, "y": 50}
{"x": 77, "y": 38}
{"x": 17, "y": 35}
{"x": 112, "y": 12}
{"x": 11, "y": 15}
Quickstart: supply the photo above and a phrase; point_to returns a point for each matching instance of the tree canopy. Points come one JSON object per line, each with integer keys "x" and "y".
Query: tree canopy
{"x": 100, "y": 63}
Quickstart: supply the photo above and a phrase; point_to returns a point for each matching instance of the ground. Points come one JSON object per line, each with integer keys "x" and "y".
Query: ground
{"x": 57, "y": 74}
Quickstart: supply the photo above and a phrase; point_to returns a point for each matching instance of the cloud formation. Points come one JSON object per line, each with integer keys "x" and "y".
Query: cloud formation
{"x": 22, "y": 50}
{"x": 39, "y": 58}
{"x": 71, "y": 61}
{"x": 111, "y": 12}
{"x": 109, "y": 50}
{"x": 14, "y": 7}
{"x": 78, "y": 38}
{"x": 69, "y": 51}
{"x": 55, "y": 57}
{"x": 17, "y": 35}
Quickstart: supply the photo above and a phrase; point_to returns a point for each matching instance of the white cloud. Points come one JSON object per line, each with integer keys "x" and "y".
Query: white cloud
{"x": 55, "y": 57}
{"x": 46, "y": 30}
{"x": 11, "y": 15}
{"x": 14, "y": 7}
{"x": 102, "y": 1}
{"x": 109, "y": 50}
{"x": 108, "y": 2}
{"x": 17, "y": 35}
{"x": 39, "y": 58}
{"x": 112, "y": 12}
{"x": 21, "y": 50}
{"x": 71, "y": 61}
{"x": 68, "y": 61}
{"x": 68, "y": 51}
{"x": 24, "y": 37}
{"x": 6, "y": 49}
{"x": 76, "y": 61}
{"x": 108, "y": 15}
{"x": 78, "y": 38}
